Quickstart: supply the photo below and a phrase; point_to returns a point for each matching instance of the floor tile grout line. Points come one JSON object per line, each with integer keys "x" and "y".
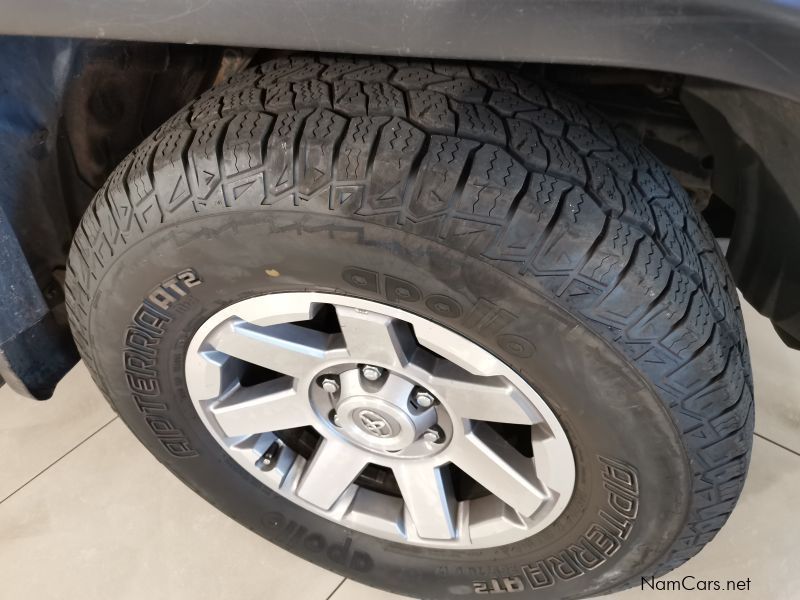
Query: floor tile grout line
{"x": 336, "y": 589}
{"x": 779, "y": 445}
{"x": 60, "y": 458}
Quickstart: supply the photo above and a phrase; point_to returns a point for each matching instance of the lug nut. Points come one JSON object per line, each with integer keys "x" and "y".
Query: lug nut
{"x": 371, "y": 373}
{"x": 335, "y": 419}
{"x": 330, "y": 385}
{"x": 434, "y": 435}
{"x": 424, "y": 399}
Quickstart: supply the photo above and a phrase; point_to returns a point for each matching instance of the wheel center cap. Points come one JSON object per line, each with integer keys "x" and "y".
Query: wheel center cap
{"x": 376, "y": 423}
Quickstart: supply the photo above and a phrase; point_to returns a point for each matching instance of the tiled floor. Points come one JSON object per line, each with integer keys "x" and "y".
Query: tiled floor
{"x": 86, "y": 513}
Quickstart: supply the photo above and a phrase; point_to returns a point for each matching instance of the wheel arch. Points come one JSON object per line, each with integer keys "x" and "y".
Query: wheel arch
{"x": 66, "y": 102}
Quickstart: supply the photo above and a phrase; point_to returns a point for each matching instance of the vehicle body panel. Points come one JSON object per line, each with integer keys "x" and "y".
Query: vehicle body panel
{"x": 748, "y": 42}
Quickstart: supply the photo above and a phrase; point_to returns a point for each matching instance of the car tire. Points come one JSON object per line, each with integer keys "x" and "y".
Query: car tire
{"x": 471, "y": 197}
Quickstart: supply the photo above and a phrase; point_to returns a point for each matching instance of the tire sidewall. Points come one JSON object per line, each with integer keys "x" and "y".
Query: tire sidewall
{"x": 632, "y": 492}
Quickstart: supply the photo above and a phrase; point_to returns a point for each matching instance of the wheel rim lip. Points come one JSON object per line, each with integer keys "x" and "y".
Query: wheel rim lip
{"x": 559, "y": 446}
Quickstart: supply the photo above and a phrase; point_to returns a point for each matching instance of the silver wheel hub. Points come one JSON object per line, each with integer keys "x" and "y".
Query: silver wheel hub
{"x": 381, "y": 415}
{"x": 404, "y": 416}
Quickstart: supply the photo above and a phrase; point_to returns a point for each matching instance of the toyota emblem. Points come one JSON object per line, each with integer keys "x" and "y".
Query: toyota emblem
{"x": 375, "y": 424}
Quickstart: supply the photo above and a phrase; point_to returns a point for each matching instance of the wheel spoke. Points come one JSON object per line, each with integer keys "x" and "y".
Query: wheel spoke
{"x": 371, "y": 337}
{"x": 329, "y": 472}
{"x": 481, "y": 398}
{"x": 491, "y": 461}
{"x": 429, "y": 499}
{"x": 288, "y": 349}
{"x": 270, "y": 406}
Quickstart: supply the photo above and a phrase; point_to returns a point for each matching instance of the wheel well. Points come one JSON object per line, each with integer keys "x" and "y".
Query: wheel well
{"x": 105, "y": 97}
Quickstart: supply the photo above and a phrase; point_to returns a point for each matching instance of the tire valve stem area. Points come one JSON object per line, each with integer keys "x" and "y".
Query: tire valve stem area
{"x": 268, "y": 460}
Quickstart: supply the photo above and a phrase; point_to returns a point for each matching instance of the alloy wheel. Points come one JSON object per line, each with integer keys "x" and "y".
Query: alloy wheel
{"x": 379, "y": 419}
